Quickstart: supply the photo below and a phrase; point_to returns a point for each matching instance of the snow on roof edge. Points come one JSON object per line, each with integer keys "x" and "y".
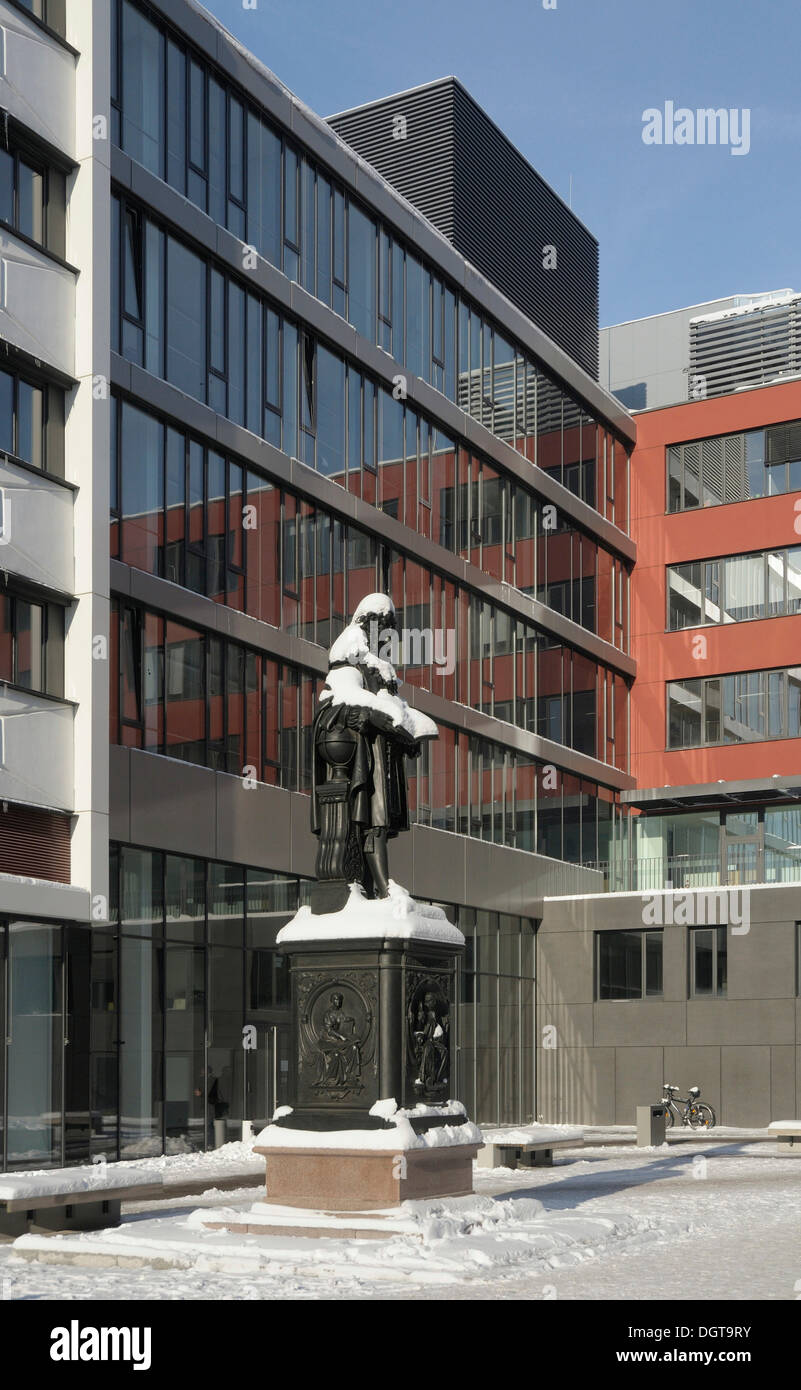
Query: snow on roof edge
{"x": 683, "y": 308}
{"x": 769, "y": 301}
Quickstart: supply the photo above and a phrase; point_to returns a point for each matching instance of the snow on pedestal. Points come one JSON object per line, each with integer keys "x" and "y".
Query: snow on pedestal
{"x": 397, "y": 1137}
{"x": 396, "y": 918}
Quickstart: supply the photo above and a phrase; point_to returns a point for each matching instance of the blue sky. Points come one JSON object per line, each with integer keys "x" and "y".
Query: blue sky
{"x": 676, "y": 224}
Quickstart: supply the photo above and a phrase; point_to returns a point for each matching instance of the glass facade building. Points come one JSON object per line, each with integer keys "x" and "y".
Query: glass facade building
{"x": 154, "y": 1006}
{"x": 301, "y": 395}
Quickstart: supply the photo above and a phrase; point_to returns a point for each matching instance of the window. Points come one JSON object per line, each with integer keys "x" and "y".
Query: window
{"x": 216, "y": 138}
{"x": 32, "y": 422}
{"x": 132, "y": 284}
{"x": 685, "y": 596}
{"x": 291, "y": 213}
{"x": 142, "y": 488}
{"x": 734, "y": 589}
{"x": 385, "y": 291}
{"x": 330, "y": 414}
{"x": 743, "y": 588}
{"x": 33, "y": 197}
{"x": 31, "y": 643}
{"x": 361, "y": 272}
{"x": 708, "y": 962}
{"x": 684, "y": 713}
{"x": 416, "y": 317}
{"x": 142, "y": 47}
{"x": 197, "y": 186}
{"x": 204, "y": 699}
{"x": 734, "y": 467}
{"x": 186, "y": 320}
{"x": 629, "y": 964}
{"x": 51, "y": 12}
{"x": 747, "y": 707}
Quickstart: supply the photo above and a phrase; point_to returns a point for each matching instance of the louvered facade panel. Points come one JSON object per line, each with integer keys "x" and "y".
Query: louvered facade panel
{"x": 745, "y": 349}
{"x": 454, "y": 164}
{"x": 34, "y": 844}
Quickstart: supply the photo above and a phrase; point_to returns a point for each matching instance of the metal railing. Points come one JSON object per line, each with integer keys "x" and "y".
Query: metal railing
{"x": 740, "y": 868}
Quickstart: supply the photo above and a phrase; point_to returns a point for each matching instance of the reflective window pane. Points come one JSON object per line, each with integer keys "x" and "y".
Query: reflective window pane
{"x": 142, "y": 88}
{"x": 744, "y": 588}
{"x": 361, "y": 272}
{"x": 186, "y": 320}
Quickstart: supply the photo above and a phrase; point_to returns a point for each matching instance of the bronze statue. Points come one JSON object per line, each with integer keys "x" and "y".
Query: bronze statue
{"x": 362, "y": 733}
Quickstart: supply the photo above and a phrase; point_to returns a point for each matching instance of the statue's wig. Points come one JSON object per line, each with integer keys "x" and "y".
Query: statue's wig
{"x": 375, "y": 606}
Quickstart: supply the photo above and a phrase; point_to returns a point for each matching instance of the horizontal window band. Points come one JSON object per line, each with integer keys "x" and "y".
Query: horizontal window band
{"x": 222, "y": 434}
{"x": 167, "y": 600}
{"x": 283, "y": 295}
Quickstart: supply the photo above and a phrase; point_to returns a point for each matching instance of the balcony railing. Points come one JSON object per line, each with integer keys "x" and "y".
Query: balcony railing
{"x": 743, "y": 866}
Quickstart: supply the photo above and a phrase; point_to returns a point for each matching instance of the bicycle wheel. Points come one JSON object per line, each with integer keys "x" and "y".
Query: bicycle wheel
{"x": 669, "y": 1117}
{"x": 702, "y": 1117}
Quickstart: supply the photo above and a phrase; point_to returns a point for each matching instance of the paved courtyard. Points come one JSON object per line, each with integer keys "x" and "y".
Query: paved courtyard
{"x": 688, "y": 1221}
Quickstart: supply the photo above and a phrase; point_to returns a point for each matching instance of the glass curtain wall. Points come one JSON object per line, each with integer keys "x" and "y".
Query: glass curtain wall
{"x": 163, "y": 1031}
{"x": 198, "y": 970}
{"x": 198, "y": 965}
{"x": 495, "y": 1017}
{"x": 185, "y": 123}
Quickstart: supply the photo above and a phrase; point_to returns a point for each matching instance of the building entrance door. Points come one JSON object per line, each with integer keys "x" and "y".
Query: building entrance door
{"x": 266, "y": 1072}
{"x": 32, "y": 990}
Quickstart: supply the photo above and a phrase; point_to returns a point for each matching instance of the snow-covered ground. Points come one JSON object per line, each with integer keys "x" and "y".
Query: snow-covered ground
{"x": 696, "y": 1221}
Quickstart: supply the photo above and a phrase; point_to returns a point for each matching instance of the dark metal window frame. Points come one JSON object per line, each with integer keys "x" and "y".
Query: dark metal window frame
{"x": 701, "y": 505}
{"x": 199, "y": 550}
{"x": 722, "y": 560}
{"x": 51, "y": 446}
{"x": 643, "y": 933}
{"x": 719, "y": 934}
{"x": 21, "y": 148}
{"x": 287, "y": 674}
{"x": 51, "y": 654}
{"x": 764, "y": 697}
{"x": 52, "y": 18}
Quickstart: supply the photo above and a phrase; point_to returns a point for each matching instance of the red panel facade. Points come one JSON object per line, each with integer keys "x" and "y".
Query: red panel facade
{"x": 662, "y": 540}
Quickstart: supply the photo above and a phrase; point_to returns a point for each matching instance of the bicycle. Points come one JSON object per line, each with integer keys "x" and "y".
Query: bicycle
{"x": 695, "y": 1115}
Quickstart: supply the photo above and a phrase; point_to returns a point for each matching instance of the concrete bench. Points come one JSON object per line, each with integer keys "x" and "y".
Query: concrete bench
{"x": 90, "y": 1198}
{"x": 786, "y": 1131}
{"x": 70, "y": 1199}
{"x": 537, "y": 1153}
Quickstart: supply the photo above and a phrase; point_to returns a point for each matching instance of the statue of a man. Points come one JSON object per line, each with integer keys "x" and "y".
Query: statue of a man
{"x": 362, "y": 733}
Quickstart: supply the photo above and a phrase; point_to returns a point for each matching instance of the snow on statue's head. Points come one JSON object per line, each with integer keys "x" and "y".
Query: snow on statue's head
{"x": 375, "y": 608}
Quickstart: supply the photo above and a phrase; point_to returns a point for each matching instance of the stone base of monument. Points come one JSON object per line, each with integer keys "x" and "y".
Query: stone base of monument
{"x": 370, "y": 1122}
{"x": 269, "y": 1219}
{"x": 366, "y": 1179}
